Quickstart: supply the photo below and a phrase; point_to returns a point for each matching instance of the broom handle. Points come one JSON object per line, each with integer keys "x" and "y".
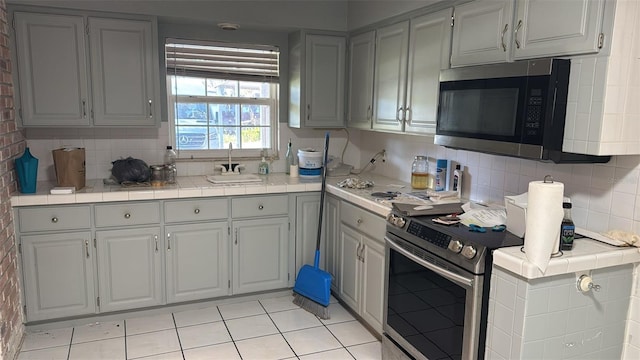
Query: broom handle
{"x": 316, "y": 260}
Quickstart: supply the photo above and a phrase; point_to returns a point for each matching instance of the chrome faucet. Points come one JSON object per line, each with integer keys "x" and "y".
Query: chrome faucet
{"x": 230, "y": 169}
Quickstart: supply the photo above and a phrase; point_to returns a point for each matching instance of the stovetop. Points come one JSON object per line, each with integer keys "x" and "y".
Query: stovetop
{"x": 454, "y": 243}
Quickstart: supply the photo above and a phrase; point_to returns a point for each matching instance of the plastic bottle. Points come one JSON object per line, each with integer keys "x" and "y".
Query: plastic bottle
{"x": 457, "y": 180}
{"x": 567, "y": 228}
{"x": 441, "y": 174}
{"x": 419, "y": 172}
{"x": 170, "y": 165}
{"x": 289, "y": 159}
{"x": 263, "y": 168}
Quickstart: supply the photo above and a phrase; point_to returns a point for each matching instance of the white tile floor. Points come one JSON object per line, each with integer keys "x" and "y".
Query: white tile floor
{"x": 272, "y": 328}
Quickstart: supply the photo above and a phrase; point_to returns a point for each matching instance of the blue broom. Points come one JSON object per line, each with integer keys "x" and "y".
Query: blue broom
{"x": 313, "y": 286}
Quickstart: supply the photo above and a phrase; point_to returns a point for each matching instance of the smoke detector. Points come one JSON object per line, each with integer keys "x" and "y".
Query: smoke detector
{"x": 228, "y": 26}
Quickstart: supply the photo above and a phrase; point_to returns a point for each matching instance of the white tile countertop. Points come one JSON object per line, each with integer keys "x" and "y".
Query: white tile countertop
{"x": 197, "y": 186}
{"x": 587, "y": 254}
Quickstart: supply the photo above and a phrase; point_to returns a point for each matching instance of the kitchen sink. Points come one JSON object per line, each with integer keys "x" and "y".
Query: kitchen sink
{"x": 233, "y": 178}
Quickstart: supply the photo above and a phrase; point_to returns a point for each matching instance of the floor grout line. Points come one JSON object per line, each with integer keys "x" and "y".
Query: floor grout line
{"x": 175, "y": 326}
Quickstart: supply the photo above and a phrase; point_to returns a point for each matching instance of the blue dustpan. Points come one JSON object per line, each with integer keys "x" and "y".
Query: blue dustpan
{"x": 313, "y": 283}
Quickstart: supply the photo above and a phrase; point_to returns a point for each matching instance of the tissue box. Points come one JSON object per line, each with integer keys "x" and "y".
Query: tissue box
{"x": 516, "y": 207}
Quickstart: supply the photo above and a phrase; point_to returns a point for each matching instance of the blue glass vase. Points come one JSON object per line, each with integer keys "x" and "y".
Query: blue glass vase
{"x": 27, "y": 171}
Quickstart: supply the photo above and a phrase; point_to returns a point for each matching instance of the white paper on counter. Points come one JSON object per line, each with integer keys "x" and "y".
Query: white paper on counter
{"x": 483, "y": 215}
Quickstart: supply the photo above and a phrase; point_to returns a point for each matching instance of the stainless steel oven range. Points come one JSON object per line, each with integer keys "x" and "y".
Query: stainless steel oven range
{"x": 437, "y": 288}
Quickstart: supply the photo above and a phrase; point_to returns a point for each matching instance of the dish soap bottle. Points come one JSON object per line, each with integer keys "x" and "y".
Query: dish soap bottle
{"x": 289, "y": 159}
{"x": 457, "y": 180}
{"x": 263, "y": 168}
{"x": 567, "y": 228}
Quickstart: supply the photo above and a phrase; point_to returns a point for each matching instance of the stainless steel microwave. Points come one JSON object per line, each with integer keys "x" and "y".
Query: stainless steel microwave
{"x": 514, "y": 109}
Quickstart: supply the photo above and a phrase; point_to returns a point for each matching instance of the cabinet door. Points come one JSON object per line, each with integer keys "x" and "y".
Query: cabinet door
{"x": 260, "y": 255}
{"x": 325, "y": 56}
{"x": 390, "y": 76}
{"x": 307, "y": 207}
{"x": 349, "y": 245}
{"x": 547, "y": 28}
{"x": 197, "y": 261}
{"x": 122, "y": 72}
{"x": 58, "y": 274}
{"x": 429, "y": 47}
{"x": 129, "y": 268}
{"x": 331, "y": 236}
{"x": 482, "y": 32}
{"x": 373, "y": 283}
{"x": 53, "y": 75}
{"x": 361, "y": 55}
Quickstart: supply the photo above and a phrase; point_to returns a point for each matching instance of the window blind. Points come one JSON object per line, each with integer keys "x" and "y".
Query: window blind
{"x": 222, "y": 60}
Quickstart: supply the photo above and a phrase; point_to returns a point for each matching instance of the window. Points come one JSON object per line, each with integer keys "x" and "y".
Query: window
{"x": 220, "y": 94}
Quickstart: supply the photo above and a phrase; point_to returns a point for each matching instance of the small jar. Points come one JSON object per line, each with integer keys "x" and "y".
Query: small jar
{"x": 420, "y": 172}
{"x": 170, "y": 173}
{"x": 157, "y": 175}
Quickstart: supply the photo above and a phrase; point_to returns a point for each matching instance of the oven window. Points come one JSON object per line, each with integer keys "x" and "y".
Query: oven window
{"x": 425, "y": 309}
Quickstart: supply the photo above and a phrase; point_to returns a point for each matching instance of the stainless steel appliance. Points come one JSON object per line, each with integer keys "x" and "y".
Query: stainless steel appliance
{"x": 437, "y": 288}
{"x": 514, "y": 109}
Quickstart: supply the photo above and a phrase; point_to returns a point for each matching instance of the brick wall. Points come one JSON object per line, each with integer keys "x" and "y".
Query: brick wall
{"x": 12, "y": 144}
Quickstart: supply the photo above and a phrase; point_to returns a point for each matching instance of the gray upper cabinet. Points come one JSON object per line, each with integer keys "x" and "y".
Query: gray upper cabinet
{"x": 497, "y": 31}
{"x": 361, "y": 56}
{"x": 79, "y": 71}
{"x": 408, "y": 60}
{"x": 429, "y": 49}
{"x": 390, "y": 76}
{"x": 52, "y": 67}
{"x": 316, "y": 80}
{"x": 122, "y": 72}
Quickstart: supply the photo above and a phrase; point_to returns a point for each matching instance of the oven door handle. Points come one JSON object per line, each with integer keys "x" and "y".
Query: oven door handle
{"x": 440, "y": 271}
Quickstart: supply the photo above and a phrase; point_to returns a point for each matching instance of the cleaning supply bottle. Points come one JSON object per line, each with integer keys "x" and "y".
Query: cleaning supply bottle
{"x": 263, "y": 168}
{"x": 567, "y": 228}
{"x": 170, "y": 165}
{"x": 441, "y": 174}
{"x": 289, "y": 159}
{"x": 457, "y": 181}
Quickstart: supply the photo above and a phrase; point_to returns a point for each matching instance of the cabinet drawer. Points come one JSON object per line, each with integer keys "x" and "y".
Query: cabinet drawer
{"x": 259, "y": 206}
{"x": 368, "y": 223}
{"x": 195, "y": 210}
{"x": 127, "y": 214}
{"x": 54, "y": 218}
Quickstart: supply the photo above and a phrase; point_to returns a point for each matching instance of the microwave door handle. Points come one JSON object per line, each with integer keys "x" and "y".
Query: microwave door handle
{"x": 459, "y": 279}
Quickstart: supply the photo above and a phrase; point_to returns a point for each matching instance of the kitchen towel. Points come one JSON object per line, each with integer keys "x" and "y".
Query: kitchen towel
{"x": 544, "y": 216}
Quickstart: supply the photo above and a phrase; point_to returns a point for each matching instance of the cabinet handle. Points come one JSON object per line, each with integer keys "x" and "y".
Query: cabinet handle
{"x": 358, "y": 251}
{"x": 308, "y": 111}
{"x": 155, "y": 237}
{"x": 235, "y": 232}
{"x": 86, "y": 247}
{"x": 369, "y": 112}
{"x": 260, "y": 207}
{"x": 359, "y": 221}
{"x": 362, "y": 252}
{"x": 168, "y": 241}
{"x": 54, "y": 220}
{"x": 398, "y": 117}
{"x": 504, "y": 31}
{"x": 196, "y": 211}
{"x": 150, "y": 108}
{"x": 127, "y": 216}
{"x": 516, "y": 34}
{"x": 407, "y": 115}
{"x": 84, "y": 108}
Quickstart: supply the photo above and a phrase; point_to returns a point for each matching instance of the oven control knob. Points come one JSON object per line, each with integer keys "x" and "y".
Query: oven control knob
{"x": 396, "y": 220}
{"x": 469, "y": 252}
{"x": 455, "y": 246}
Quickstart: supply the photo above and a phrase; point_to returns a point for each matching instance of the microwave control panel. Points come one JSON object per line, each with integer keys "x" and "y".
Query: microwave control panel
{"x": 534, "y": 113}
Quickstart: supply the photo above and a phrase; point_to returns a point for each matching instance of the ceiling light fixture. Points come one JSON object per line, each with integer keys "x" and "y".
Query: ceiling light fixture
{"x": 228, "y": 26}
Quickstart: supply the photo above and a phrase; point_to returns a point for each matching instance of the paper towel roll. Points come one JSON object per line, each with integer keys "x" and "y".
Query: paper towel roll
{"x": 544, "y": 216}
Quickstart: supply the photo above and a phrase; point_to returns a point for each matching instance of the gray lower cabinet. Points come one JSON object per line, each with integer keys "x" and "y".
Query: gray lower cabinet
{"x": 197, "y": 265}
{"x": 129, "y": 268}
{"x": 260, "y": 254}
{"x": 58, "y": 272}
{"x": 361, "y": 263}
